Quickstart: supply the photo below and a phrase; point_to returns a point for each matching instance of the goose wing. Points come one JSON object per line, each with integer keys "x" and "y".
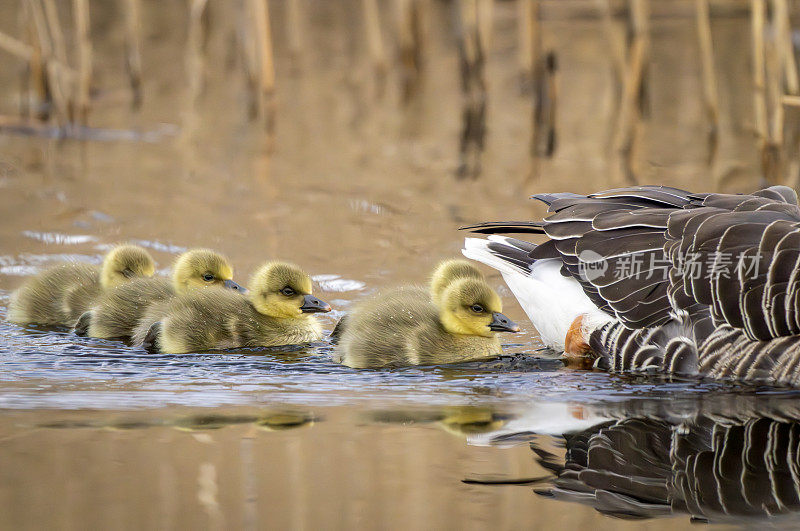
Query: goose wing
{"x": 642, "y": 253}
{"x": 738, "y": 255}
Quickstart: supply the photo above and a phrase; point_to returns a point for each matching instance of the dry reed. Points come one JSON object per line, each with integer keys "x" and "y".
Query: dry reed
{"x": 294, "y": 32}
{"x": 408, "y": 15}
{"x": 473, "y": 84}
{"x": 529, "y": 35}
{"x": 266, "y": 67}
{"x": 53, "y": 74}
{"x": 83, "y": 98}
{"x": 375, "y": 46}
{"x": 133, "y": 47}
{"x": 710, "y": 94}
{"x": 631, "y": 104}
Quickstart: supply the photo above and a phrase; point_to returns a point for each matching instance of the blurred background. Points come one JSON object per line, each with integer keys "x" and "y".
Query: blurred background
{"x": 353, "y": 137}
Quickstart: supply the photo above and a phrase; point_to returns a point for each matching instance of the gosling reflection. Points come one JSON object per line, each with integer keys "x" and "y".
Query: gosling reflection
{"x": 279, "y": 420}
{"x": 461, "y": 421}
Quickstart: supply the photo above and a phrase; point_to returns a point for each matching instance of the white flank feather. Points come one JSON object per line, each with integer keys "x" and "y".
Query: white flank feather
{"x": 551, "y": 300}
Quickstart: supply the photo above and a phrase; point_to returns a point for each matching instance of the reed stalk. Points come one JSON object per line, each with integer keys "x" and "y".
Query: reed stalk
{"x": 473, "y": 84}
{"x": 39, "y": 99}
{"x": 757, "y": 13}
{"x": 529, "y": 35}
{"x": 194, "y": 50}
{"x": 59, "y": 49}
{"x": 783, "y": 36}
{"x": 485, "y": 24}
{"x": 249, "y": 55}
{"x": 375, "y": 46}
{"x": 630, "y": 107}
{"x": 52, "y": 71}
{"x": 409, "y": 44}
{"x": 133, "y": 53}
{"x": 294, "y": 32}
{"x": 710, "y": 94}
{"x": 16, "y": 47}
{"x": 791, "y": 101}
{"x": 616, "y": 45}
{"x": 266, "y": 65}
{"x": 82, "y": 25}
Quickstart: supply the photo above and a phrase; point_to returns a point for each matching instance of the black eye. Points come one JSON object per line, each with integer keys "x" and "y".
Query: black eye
{"x": 477, "y": 308}
{"x": 208, "y": 277}
{"x": 288, "y": 291}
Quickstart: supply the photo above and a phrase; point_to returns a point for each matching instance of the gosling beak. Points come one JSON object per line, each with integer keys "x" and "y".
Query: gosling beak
{"x": 314, "y": 305}
{"x": 230, "y": 284}
{"x": 501, "y": 323}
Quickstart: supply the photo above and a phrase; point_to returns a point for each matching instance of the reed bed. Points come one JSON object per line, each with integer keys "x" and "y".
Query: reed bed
{"x": 53, "y": 48}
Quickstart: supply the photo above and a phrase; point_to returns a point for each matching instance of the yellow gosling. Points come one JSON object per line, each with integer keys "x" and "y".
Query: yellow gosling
{"x": 406, "y": 326}
{"x": 117, "y": 312}
{"x": 59, "y": 295}
{"x": 277, "y": 311}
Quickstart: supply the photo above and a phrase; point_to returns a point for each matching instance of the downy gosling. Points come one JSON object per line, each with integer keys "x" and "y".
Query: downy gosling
{"x": 59, "y": 295}
{"x": 117, "y": 312}
{"x": 455, "y": 320}
{"x": 276, "y": 311}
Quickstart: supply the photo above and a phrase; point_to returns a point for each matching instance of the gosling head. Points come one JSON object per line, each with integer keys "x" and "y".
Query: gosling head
{"x": 201, "y": 268}
{"x": 449, "y": 271}
{"x": 283, "y": 291}
{"x": 471, "y": 307}
{"x": 125, "y": 262}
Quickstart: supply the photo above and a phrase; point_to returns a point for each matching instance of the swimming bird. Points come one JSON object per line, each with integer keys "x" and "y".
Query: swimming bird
{"x": 59, "y": 295}
{"x": 661, "y": 279}
{"x": 455, "y": 320}
{"x": 277, "y": 311}
{"x": 117, "y": 312}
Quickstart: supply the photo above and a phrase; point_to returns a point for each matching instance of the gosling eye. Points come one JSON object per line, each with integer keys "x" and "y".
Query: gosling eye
{"x": 208, "y": 277}
{"x": 477, "y": 308}
{"x": 288, "y": 291}
{"x": 127, "y": 273}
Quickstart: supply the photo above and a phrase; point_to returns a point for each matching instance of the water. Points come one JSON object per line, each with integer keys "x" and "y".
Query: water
{"x": 359, "y": 188}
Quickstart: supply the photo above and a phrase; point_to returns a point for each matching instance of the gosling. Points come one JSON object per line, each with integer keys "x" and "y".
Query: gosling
{"x": 118, "y": 311}
{"x": 59, "y": 295}
{"x": 444, "y": 274}
{"x": 277, "y": 311}
{"x": 415, "y": 326}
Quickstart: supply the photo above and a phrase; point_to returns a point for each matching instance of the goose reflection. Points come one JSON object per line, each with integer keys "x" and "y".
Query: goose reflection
{"x": 729, "y": 463}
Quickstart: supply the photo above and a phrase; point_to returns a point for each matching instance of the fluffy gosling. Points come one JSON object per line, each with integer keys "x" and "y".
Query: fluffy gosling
{"x": 117, "y": 312}
{"x": 456, "y": 320}
{"x": 59, "y": 295}
{"x": 277, "y": 311}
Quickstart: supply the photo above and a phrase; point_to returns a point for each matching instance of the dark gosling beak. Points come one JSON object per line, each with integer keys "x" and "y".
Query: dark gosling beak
{"x": 501, "y": 323}
{"x": 230, "y": 284}
{"x": 314, "y": 305}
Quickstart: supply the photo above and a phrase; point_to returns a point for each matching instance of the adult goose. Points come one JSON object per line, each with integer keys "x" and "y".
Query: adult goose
{"x": 653, "y": 278}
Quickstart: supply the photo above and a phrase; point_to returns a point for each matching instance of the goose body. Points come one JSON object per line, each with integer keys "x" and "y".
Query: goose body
{"x": 453, "y": 321}
{"x": 59, "y": 295}
{"x": 116, "y": 312}
{"x": 716, "y": 290}
{"x": 276, "y": 311}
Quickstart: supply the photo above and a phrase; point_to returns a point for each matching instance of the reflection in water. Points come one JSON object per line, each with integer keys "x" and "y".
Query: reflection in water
{"x": 457, "y": 420}
{"x": 268, "y": 420}
{"x": 721, "y": 461}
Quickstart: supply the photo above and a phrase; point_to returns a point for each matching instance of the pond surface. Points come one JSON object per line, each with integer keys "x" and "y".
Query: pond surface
{"x": 359, "y": 186}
